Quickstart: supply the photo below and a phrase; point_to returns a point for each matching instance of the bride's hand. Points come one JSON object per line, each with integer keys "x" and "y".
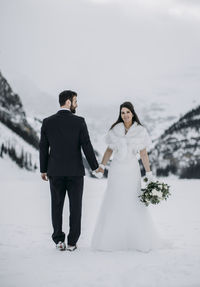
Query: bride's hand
{"x": 99, "y": 171}
{"x": 97, "y": 174}
{"x": 150, "y": 176}
{"x": 101, "y": 168}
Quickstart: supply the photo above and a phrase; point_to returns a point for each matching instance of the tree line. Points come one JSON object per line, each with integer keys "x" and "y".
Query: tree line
{"x": 24, "y": 160}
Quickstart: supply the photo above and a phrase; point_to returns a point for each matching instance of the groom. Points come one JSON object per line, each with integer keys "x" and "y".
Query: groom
{"x": 62, "y": 137}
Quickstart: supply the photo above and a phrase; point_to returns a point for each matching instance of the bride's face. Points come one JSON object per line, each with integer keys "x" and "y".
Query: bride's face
{"x": 126, "y": 115}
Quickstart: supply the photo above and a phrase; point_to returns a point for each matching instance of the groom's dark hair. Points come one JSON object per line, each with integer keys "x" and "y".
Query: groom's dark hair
{"x": 66, "y": 95}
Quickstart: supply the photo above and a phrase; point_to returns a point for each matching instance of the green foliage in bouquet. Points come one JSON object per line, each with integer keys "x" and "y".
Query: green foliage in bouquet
{"x": 154, "y": 192}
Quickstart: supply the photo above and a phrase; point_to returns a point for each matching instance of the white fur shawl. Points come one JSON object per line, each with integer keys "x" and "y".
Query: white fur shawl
{"x": 136, "y": 139}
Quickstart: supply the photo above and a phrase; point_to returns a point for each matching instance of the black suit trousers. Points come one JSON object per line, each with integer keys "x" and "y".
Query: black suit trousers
{"x": 74, "y": 187}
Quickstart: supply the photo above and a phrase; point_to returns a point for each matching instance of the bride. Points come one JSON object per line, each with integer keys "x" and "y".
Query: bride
{"x": 124, "y": 222}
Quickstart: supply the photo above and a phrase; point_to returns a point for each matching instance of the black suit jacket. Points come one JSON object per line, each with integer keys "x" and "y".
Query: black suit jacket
{"x": 62, "y": 137}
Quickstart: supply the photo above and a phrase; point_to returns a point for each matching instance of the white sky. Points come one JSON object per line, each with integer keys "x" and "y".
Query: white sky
{"x": 108, "y": 51}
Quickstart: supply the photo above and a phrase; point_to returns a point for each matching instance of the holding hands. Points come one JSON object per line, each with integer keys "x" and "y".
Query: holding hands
{"x": 99, "y": 171}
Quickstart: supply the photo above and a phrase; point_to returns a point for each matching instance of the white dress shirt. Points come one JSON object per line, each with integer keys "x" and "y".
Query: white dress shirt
{"x": 64, "y": 109}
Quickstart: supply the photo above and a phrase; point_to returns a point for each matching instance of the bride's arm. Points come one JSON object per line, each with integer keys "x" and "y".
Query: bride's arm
{"x": 145, "y": 159}
{"x": 105, "y": 158}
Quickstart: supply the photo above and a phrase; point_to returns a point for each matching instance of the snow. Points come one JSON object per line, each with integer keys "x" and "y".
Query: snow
{"x": 29, "y": 258}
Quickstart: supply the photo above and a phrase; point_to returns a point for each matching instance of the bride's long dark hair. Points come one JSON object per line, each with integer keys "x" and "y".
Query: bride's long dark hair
{"x": 129, "y": 106}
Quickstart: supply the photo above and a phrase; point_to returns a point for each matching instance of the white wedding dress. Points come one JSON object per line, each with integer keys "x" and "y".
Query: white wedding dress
{"x": 124, "y": 222}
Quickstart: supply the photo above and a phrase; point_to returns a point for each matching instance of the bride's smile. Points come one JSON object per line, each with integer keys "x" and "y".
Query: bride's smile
{"x": 126, "y": 115}
{"x": 127, "y": 118}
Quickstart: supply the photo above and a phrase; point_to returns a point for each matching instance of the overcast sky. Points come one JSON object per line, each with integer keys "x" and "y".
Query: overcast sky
{"x": 108, "y": 51}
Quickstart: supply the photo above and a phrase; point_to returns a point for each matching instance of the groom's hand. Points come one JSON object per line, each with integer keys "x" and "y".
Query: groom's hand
{"x": 44, "y": 176}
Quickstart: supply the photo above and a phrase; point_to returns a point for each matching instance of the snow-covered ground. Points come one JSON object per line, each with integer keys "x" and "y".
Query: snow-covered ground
{"x": 29, "y": 258}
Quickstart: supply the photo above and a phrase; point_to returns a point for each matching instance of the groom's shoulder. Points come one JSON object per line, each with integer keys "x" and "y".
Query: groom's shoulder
{"x": 78, "y": 119}
{"x": 49, "y": 118}
{"x": 73, "y": 118}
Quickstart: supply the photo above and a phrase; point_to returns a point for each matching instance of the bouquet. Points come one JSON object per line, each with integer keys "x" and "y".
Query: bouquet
{"x": 154, "y": 192}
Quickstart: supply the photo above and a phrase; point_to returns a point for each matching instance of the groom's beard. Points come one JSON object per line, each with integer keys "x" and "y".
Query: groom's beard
{"x": 73, "y": 110}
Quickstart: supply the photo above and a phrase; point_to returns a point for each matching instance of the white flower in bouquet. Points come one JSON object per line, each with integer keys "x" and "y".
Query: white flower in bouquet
{"x": 157, "y": 193}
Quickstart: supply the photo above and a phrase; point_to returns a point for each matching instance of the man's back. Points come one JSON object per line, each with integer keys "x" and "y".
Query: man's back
{"x": 62, "y": 136}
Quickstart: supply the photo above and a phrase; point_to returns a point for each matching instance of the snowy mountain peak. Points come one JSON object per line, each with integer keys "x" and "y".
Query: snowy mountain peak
{"x": 18, "y": 140}
{"x": 13, "y": 115}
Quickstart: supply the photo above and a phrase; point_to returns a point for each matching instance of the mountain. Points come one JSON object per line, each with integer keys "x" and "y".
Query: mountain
{"x": 177, "y": 150}
{"x": 13, "y": 115}
{"x": 18, "y": 138}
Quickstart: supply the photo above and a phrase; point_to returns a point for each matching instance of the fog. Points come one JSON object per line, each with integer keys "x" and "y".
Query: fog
{"x": 107, "y": 51}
